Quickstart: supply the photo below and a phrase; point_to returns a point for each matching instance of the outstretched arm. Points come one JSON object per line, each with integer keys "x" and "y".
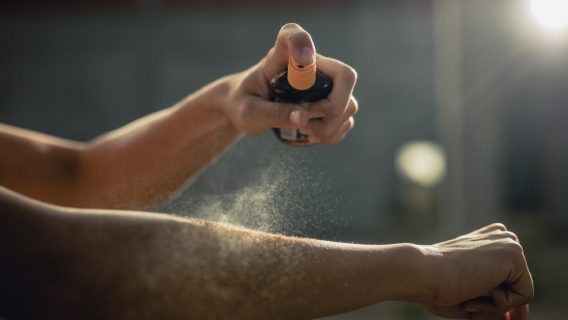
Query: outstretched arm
{"x": 118, "y": 264}
{"x": 141, "y": 164}
{"x": 137, "y": 166}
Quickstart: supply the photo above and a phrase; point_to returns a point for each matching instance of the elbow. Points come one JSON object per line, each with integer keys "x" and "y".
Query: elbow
{"x": 68, "y": 164}
{"x": 86, "y": 178}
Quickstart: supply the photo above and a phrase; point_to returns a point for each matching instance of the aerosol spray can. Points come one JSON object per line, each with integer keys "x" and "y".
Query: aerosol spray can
{"x": 301, "y": 84}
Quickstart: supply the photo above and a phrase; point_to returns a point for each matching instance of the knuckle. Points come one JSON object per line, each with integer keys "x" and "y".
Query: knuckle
{"x": 349, "y": 74}
{"x": 353, "y": 107}
{"x": 515, "y": 247}
{"x": 351, "y": 123}
{"x": 499, "y": 226}
{"x": 511, "y": 235}
{"x": 290, "y": 25}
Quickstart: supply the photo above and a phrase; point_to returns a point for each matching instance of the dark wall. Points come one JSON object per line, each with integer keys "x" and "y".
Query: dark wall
{"x": 79, "y": 73}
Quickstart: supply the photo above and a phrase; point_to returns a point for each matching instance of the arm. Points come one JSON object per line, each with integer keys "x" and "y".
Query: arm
{"x": 136, "y": 166}
{"x": 141, "y": 164}
{"x": 117, "y": 264}
{"x": 132, "y": 264}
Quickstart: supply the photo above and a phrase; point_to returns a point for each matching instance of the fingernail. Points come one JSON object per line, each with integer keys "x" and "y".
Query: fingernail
{"x": 296, "y": 117}
{"x": 307, "y": 55}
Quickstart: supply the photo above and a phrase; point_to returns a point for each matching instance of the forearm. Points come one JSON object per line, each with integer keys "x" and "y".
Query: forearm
{"x": 143, "y": 163}
{"x": 202, "y": 270}
{"x": 137, "y": 166}
{"x": 138, "y": 265}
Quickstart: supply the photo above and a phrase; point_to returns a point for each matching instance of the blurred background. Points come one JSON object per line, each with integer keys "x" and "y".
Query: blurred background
{"x": 462, "y": 121}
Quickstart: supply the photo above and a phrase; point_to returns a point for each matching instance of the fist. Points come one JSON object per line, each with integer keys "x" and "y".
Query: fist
{"x": 480, "y": 275}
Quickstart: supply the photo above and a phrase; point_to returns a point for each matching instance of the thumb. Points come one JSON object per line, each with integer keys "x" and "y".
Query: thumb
{"x": 292, "y": 41}
{"x": 279, "y": 114}
{"x": 301, "y": 47}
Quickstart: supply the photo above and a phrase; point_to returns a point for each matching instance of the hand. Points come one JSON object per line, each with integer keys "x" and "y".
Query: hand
{"x": 482, "y": 275}
{"x": 326, "y": 121}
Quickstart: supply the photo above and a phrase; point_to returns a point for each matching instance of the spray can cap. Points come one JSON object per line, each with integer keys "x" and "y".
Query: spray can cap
{"x": 301, "y": 77}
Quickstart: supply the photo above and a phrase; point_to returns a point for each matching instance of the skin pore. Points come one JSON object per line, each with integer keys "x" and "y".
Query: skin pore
{"x": 69, "y": 249}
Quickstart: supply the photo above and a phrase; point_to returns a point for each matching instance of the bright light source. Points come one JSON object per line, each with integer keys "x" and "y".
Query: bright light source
{"x": 551, "y": 13}
{"x": 421, "y": 162}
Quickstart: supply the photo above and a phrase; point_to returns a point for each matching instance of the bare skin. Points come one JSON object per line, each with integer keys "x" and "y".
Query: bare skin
{"x": 126, "y": 169}
{"x": 93, "y": 263}
{"x": 60, "y": 261}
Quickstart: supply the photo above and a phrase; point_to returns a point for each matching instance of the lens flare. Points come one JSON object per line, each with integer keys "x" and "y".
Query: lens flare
{"x": 551, "y": 13}
{"x": 421, "y": 162}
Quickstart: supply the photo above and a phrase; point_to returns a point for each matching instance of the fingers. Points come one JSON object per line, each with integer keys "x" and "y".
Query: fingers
{"x": 454, "y": 312}
{"x": 483, "y": 308}
{"x": 344, "y": 79}
{"x": 340, "y": 105}
{"x": 334, "y": 125}
{"x": 495, "y": 231}
{"x": 294, "y": 41}
{"x": 517, "y": 290}
{"x": 345, "y": 128}
{"x": 256, "y": 114}
{"x": 335, "y": 113}
{"x": 521, "y": 313}
{"x": 496, "y": 267}
{"x": 491, "y": 228}
{"x": 486, "y": 316}
{"x": 499, "y": 235}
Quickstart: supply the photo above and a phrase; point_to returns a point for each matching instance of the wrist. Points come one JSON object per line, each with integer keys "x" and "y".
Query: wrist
{"x": 427, "y": 271}
{"x": 225, "y": 94}
{"x": 211, "y": 103}
{"x": 214, "y": 97}
{"x": 241, "y": 97}
{"x": 411, "y": 279}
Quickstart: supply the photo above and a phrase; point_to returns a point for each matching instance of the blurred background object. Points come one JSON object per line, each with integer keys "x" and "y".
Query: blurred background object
{"x": 462, "y": 120}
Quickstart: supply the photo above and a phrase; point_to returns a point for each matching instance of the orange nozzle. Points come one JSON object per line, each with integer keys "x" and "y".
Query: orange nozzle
{"x": 301, "y": 77}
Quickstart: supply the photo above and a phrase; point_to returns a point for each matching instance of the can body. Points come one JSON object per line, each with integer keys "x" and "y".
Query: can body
{"x": 282, "y": 91}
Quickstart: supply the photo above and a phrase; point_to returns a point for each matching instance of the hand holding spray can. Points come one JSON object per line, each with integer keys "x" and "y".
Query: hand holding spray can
{"x": 302, "y": 84}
